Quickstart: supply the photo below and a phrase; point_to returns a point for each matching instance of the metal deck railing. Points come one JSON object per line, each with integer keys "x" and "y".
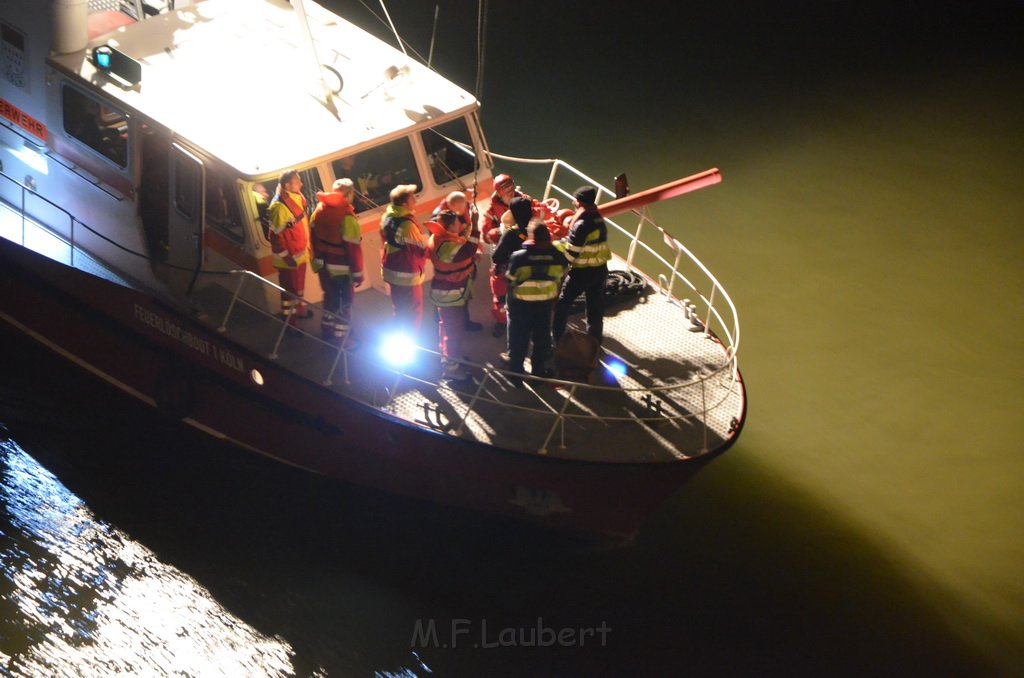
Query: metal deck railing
{"x": 695, "y": 401}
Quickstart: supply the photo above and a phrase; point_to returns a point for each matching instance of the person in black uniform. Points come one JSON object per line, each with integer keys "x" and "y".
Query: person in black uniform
{"x": 586, "y": 248}
{"x": 534, "y": 275}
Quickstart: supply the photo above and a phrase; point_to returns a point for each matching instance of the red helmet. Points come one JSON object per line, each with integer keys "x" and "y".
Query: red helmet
{"x": 503, "y": 181}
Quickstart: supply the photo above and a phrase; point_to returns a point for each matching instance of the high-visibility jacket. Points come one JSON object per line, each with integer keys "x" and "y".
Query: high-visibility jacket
{"x": 289, "y": 231}
{"x": 587, "y": 244}
{"x": 454, "y": 261}
{"x": 336, "y": 237}
{"x": 404, "y": 256}
{"x": 535, "y": 272}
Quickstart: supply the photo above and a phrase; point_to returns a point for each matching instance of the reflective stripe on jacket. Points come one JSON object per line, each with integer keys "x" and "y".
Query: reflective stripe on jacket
{"x": 404, "y": 255}
{"x": 289, "y": 233}
{"x": 587, "y": 244}
{"x": 454, "y": 261}
{"x": 535, "y": 272}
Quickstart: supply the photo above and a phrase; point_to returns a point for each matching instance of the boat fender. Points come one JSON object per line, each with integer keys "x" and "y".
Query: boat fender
{"x": 174, "y": 393}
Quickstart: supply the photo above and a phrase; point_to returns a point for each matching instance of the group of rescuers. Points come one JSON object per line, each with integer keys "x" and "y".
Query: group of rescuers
{"x": 534, "y": 281}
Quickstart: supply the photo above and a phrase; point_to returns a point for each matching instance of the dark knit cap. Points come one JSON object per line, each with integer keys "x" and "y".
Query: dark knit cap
{"x": 585, "y": 195}
{"x": 539, "y": 233}
{"x": 522, "y": 211}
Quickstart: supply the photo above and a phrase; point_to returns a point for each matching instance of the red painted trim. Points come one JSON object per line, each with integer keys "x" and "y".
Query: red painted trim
{"x": 231, "y": 250}
{"x": 663, "y": 192}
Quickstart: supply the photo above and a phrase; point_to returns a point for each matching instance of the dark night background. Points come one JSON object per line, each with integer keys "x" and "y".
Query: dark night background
{"x": 869, "y": 228}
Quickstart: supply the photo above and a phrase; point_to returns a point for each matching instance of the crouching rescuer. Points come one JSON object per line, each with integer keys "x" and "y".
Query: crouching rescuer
{"x": 454, "y": 258}
{"x": 337, "y": 257}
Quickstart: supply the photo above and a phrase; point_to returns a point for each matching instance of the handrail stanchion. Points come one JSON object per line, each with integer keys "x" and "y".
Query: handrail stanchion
{"x": 238, "y": 291}
{"x": 472, "y": 403}
{"x": 22, "y": 215}
{"x": 675, "y": 272}
{"x": 394, "y": 389}
{"x": 334, "y": 365}
{"x": 559, "y": 419}
{"x": 344, "y": 363}
{"x": 636, "y": 238}
{"x": 551, "y": 179}
{"x": 704, "y": 411}
{"x": 284, "y": 328}
{"x": 711, "y": 305}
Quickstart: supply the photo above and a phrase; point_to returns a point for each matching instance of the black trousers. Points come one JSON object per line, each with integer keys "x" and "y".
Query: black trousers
{"x": 586, "y": 280}
{"x": 529, "y": 320}
{"x": 338, "y": 295}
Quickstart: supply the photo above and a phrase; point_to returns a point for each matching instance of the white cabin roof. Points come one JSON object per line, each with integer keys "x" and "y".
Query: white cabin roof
{"x": 235, "y": 78}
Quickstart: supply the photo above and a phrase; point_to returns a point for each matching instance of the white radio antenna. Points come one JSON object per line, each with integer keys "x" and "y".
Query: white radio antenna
{"x": 401, "y": 44}
{"x": 300, "y": 12}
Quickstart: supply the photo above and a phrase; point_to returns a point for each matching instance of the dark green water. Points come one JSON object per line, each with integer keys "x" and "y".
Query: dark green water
{"x": 870, "y": 229}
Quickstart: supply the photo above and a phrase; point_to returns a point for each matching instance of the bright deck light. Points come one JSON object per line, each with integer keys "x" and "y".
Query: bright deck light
{"x": 398, "y": 349}
{"x": 617, "y": 368}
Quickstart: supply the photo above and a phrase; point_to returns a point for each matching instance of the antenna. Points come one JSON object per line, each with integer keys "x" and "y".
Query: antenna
{"x": 481, "y": 46}
{"x": 394, "y": 30}
{"x": 300, "y": 12}
{"x": 433, "y": 34}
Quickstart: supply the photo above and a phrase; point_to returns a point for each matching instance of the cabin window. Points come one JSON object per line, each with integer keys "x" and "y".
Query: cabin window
{"x": 222, "y": 207}
{"x": 376, "y": 171}
{"x": 101, "y": 128}
{"x": 447, "y": 161}
{"x": 186, "y": 187}
{"x": 311, "y": 184}
{"x": 261, "y": 196}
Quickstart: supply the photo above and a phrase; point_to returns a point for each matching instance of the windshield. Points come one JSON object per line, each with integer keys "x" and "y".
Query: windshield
{"x": 377, "y": 170}
{"x": 447, "y": 161}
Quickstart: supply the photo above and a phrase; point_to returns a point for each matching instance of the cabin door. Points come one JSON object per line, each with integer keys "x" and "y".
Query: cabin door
{"x": 186, "y": 209}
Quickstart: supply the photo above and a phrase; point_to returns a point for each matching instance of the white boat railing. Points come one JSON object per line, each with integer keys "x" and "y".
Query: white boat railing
{"x": 730, "y": 329}
{"x": 392, "y": 378}
{"x": 651, "y": 398}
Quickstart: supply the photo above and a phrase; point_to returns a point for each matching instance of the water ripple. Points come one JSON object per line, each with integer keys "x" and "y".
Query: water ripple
{"x": 78, "y": 597}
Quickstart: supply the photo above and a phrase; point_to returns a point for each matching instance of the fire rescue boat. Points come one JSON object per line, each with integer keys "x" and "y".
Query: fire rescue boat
{"x": 137, "y": 144}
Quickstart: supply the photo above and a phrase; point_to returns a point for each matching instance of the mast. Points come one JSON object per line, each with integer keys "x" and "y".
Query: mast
{"x": 328, "y": 97}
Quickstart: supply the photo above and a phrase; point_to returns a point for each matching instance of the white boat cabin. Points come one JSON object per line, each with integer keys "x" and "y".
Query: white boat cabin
{"x": 176, "y": 161}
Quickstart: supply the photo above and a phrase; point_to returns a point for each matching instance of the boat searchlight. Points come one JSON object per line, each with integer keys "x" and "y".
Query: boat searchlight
{"x": 398, "y": 350}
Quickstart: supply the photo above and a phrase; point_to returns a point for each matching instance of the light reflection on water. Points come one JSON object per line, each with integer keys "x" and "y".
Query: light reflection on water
{"x": 87, "y": 600}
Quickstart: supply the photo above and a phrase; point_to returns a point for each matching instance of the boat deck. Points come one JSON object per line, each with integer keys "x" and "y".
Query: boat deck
{"x": 664, "y": 389}
{"x": 676, "y": 399}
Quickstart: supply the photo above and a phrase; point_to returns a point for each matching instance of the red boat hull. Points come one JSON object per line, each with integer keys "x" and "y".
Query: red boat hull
{"x": 166, "y": 358}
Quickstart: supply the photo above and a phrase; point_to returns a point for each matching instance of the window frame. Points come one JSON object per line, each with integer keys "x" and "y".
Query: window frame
{"x": 415, "y": 154}
{"x": 232, "y": 191}
{"x": 459, "y": 180}
{"x": 82, "y": 143}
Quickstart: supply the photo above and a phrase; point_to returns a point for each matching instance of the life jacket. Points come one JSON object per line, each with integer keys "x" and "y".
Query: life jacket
{"x": 404, "y": 256}
{"x": 336, "y": 236}
{"x": 454, "y": 263}
{"x": 288, "y": 236}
